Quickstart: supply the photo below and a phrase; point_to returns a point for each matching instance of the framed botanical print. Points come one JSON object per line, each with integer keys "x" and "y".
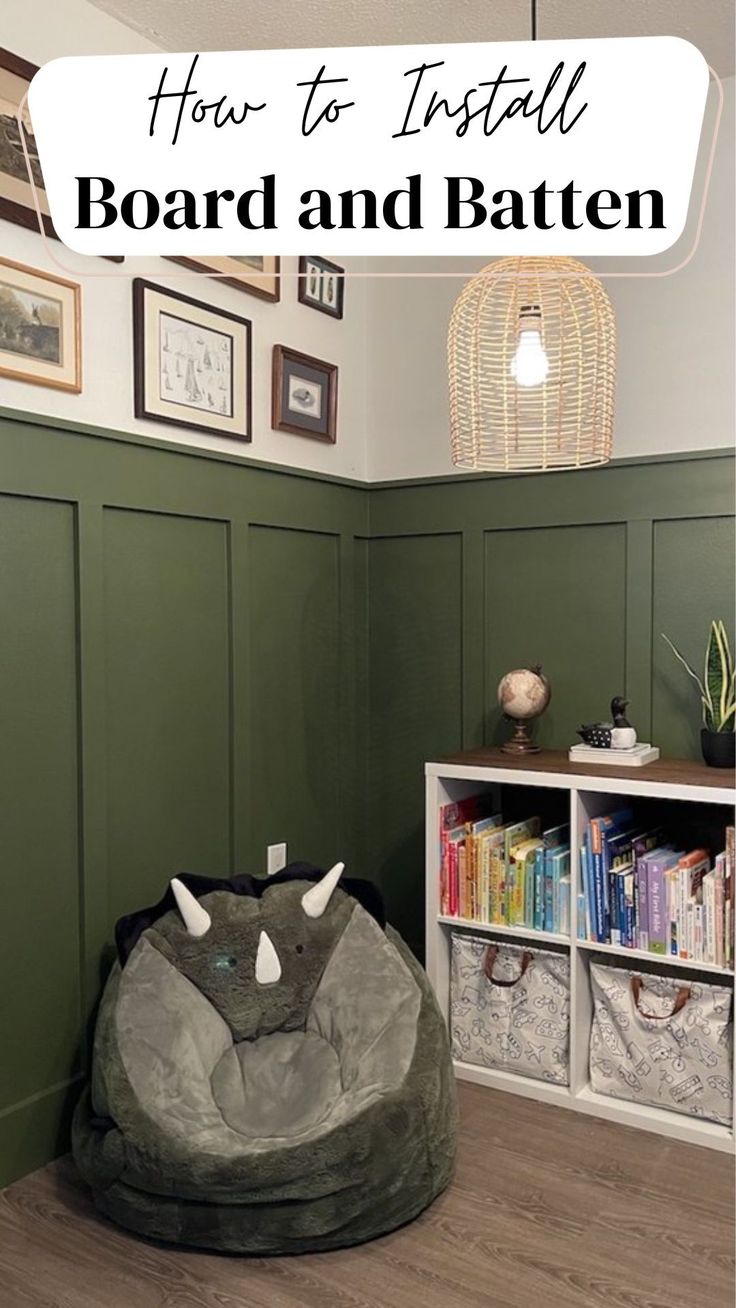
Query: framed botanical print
{"x": 40, "y": 327}
{"x": 257, "y": 274}
{"x": 304, "y": 395}
{"x": 192, "y": 362}
{"x": 321, "y": 284}
{"x": 16, "y": 196}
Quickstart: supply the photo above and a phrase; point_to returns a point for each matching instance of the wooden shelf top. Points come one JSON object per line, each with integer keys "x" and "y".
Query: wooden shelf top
{"x": 663, "y": 771}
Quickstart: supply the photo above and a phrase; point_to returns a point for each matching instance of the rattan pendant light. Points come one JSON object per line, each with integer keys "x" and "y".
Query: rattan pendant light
{"x": 531, "y": 350}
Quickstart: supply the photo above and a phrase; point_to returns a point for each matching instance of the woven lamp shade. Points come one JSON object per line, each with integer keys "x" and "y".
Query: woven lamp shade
{"x": 564, "y": 420}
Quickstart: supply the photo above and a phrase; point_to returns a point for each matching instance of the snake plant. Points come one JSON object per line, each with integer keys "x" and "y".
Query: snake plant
{"x": 718, "y": 686}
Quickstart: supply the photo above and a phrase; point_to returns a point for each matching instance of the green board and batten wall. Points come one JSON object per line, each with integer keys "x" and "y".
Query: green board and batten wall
{"x": 201, "y": 656}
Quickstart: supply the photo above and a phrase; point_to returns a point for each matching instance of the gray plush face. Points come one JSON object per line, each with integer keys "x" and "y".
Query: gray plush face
{"x": 258, "y": 961}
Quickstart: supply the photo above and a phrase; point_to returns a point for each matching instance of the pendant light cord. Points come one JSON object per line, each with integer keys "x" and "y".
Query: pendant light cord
{"x": 534, "y": 20}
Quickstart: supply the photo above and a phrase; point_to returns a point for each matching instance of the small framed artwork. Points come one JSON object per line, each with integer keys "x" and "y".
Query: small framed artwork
{"x": 304, "y": 395}
{"x": 321, "y": 285}
{"x": 191, "y": 361}
{"x": 257, "y": 274}
{"x": 40, "y": 327}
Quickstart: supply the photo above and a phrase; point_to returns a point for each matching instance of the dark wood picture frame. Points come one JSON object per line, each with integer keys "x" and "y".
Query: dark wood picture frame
{"x": 11, "y": 210}
{"x": 140, "y": 408}
{"x": 283, "y": 355}
{"x": 24, "y": 215}
{"x": 202, "y": 266}
{"x": 327, "y": 266}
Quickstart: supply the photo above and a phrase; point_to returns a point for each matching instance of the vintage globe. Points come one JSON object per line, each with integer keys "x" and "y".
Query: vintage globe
{"x": 523, "y": 694}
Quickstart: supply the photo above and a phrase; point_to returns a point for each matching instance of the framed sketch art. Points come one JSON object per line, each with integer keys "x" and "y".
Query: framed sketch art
{"x": 304, "y": 395}
{"x": 40, "y": 327}
{"x": 192, "y": 362}
{"x": 257, "y": 274}
{"x": 321, "y": 284}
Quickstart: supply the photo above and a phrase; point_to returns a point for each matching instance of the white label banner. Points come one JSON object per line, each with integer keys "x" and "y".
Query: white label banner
{"x": 546, "y": 147}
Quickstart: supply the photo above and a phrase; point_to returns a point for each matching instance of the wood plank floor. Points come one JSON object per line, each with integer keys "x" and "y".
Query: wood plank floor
{"x": 548, "y": 1208}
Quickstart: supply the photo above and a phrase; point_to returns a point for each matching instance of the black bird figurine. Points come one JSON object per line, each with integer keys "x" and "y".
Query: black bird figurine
{"x": 618, "y": 734}
{"x": 618, "y": 711}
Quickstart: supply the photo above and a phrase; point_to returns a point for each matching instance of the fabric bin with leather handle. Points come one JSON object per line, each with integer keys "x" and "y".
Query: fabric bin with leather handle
{"x": 662, "y": 1041}
{"x": 510, "y": 1008}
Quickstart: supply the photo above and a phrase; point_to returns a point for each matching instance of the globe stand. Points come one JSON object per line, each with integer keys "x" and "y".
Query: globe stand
{"x": 521, "y": 742}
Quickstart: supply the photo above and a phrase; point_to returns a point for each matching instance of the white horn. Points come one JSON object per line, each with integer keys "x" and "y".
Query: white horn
{"x": 196, "y": 919}
{"x": 316, "y": 899}
{"x": 268, "y": 967}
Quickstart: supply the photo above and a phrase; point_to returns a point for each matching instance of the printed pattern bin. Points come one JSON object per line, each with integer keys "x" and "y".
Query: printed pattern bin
{"x": 662, "y": 1041}
{"x": 510, "y": 1008}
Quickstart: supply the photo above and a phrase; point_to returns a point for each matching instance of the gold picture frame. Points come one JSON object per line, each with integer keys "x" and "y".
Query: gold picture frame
{"x": 255, "y": 274}
{"x": 40, "y": 327}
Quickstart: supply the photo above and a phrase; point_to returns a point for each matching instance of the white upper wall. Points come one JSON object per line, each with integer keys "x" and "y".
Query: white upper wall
{"x": 39, "y": 30}
{"x": 676, "y": 340}
{"x": 675, "y": 371}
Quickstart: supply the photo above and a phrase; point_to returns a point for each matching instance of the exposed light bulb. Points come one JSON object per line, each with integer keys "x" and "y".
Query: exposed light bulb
{"x": 530, "y": 365}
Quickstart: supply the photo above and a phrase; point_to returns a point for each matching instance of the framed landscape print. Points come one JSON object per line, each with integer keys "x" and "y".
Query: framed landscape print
{"x": 40, "y": 327}
{"x": 16, "y": 196}
{"x": 304, "y": 395}
{"x": 256, "y": 274}
{"x": 321, "y": 284}
{"x": 192, "y": 362}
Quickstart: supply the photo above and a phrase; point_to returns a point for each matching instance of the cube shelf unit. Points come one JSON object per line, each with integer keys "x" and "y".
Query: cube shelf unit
{"x": 561, "y": 788}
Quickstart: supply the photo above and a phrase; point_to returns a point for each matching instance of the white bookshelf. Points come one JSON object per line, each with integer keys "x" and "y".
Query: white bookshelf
{"x": 587, "y": 793}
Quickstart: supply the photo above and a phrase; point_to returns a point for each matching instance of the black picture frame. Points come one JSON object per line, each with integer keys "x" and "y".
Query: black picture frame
{"x": 142, "y": 401}
{"x": 330, "y": 296}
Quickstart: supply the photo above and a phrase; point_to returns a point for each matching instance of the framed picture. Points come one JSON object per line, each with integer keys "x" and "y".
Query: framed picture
{"x": 256, "y": 274}
{"x": 304, "y": 395}
{"x": 16, "y": 196}
{"x": 191, "y": 362}
{"x": 321, "y": 284}
{"x": 40, "y": 327}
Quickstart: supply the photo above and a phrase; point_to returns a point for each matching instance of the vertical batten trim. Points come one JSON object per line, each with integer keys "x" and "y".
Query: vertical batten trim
{"x": 472, "y": 650}
{"x": 638, "y": 632}
{"x": 241, "y": 720}
{"x": 94, "y": 890}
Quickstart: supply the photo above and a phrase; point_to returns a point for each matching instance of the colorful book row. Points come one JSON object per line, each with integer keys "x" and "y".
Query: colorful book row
{"x": 503, "y": 873}
{"x": 641, "y": 892}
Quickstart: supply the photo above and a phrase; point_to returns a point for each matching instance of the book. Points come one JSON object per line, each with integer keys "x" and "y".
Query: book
{"x": 556, "y": 866}
{"x": 636, "y": 757}
{"x": 659, "y": 863}
{"x": 597, "y": 826}
{"x": 515, "y": 834}
{"x": 516, "y": 876}
{"x": 692, "y": 868}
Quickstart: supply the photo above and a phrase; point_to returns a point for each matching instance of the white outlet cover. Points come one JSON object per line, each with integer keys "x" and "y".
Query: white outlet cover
{"x": 275, "y": 858}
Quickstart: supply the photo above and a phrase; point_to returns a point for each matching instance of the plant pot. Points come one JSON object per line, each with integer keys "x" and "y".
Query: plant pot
{"x": 719, "y": 748}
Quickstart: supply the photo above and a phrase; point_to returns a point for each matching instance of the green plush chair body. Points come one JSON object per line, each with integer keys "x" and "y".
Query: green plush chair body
{"x": 271, "y": 1071}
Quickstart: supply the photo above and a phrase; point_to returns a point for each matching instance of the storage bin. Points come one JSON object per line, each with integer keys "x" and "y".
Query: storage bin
{"x": 510, "y": 1008}
{"x": 662, "y": 1041}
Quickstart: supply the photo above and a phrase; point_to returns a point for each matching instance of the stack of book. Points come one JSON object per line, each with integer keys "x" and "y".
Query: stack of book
{"x": 503, "y": 873}
{"x": 640, "y": 891}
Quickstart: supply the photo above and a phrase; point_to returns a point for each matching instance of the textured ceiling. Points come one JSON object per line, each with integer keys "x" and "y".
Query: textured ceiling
{"x": 275, "y": 24}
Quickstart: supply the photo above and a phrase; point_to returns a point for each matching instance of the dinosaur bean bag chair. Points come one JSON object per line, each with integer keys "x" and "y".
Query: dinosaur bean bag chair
{"x": 271, "y": 1070}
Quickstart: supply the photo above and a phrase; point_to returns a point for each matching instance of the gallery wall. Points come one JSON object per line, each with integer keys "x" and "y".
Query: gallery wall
{"x": 76, "y": 27}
